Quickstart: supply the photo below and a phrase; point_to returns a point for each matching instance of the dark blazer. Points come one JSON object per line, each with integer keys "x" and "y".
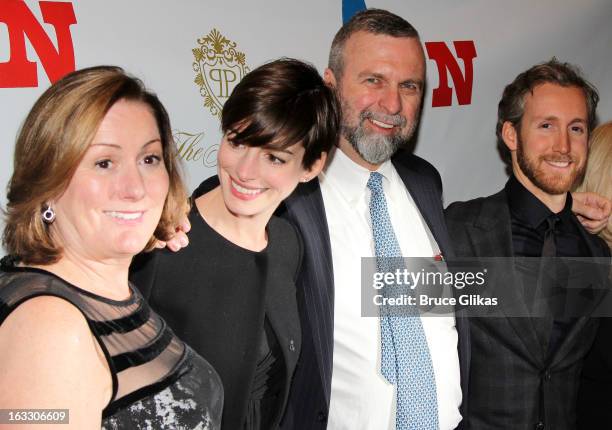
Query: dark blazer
{"x": 195, "y": 291}
{"x": 595, "y": 392}
{"x": 308, "y": 403}
{"x": 515, "y": 383}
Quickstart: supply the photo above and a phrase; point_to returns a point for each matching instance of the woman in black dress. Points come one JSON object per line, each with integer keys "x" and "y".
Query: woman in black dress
{"x": 94, "y": 171}
{"x": 231, "y": 293}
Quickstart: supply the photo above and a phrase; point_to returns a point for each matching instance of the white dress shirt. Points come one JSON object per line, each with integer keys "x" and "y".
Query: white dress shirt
{"x": 361, "y": 398}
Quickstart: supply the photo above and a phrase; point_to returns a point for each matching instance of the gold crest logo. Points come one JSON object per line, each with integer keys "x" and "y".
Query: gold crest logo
{"x": 219, "y": 66}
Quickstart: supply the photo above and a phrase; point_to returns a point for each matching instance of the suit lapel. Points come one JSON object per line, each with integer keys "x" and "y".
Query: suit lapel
{"x": 491, "y": 236}
{"x": 306, "y": 211}
{"x": 595, "y": 296}
{"x": 427, "y": 200}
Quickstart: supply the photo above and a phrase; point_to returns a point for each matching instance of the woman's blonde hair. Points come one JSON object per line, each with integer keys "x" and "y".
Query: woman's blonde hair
{"x": 598, "y": 175}
{"x": 51, "y": 143}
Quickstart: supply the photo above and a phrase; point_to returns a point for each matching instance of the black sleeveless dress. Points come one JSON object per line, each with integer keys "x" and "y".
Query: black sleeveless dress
{"x": 158, "y": 381}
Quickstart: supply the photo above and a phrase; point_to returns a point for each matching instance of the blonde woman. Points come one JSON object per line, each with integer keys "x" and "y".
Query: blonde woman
{"x": 598, "y": 176}
{"x": 595, "y": 395}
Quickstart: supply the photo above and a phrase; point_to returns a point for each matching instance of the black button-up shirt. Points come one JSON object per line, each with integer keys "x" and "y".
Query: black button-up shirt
{"x": 529, "y": 214}
{"x": 528, "y": 217}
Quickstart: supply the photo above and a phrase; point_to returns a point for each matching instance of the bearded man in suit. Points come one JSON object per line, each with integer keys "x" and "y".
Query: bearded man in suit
{"x": 377, "y": 66}
{"x": 544, "y": 119}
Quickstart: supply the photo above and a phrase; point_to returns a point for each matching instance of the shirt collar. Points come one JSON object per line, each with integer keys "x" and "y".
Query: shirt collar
{"x": 528, "y": 208}
{"x": 350, "y": 177}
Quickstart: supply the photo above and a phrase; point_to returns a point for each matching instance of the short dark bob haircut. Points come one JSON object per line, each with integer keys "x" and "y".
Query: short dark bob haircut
{"x": 282, "y": 103}
{"x": 52, "y": 142}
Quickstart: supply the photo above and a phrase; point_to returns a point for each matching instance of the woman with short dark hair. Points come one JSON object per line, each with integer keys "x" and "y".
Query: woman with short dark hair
{"x": 231, "y": 293}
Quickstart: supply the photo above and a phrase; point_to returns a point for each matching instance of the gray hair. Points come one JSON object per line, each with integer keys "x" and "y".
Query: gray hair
{"x": 375, "y": 21}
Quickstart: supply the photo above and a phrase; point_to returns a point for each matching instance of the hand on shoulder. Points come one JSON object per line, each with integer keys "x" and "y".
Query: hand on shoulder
{"x": 180, "y": 239}
{"x": 592, "y": 210}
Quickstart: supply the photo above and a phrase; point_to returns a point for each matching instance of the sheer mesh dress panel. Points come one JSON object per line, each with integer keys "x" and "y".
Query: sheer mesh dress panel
{"x": 158, "y": 381}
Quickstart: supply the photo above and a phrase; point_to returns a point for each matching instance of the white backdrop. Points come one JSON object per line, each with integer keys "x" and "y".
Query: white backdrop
{"x": 154, "y": 39}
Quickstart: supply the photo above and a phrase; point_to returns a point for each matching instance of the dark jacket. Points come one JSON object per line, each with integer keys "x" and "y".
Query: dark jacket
{"x": 308, "y": 403}
{"x": 514, "y": 383}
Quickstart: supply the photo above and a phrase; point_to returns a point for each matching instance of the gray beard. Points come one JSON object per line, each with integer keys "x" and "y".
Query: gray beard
{"x": 375, "y": 148}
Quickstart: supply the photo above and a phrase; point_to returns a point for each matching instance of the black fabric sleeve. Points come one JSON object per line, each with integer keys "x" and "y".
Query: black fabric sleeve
{"x": 142, "y": 272}
{"x": 300, "y": 252}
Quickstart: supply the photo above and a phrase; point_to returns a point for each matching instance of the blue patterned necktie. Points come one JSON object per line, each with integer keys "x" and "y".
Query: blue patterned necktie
{"x": 405, "y": 359}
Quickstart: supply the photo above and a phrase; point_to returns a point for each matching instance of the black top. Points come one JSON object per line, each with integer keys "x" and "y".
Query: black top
{"x": 528, "y": 215}
{"x": 217, "y": 296}
{"x": 158, "y": 381}
{"x": 530, "y": 219}
{"x": 267, "y": 387}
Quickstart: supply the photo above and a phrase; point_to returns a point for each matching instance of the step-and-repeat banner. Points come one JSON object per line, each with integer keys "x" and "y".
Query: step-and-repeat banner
{"x": 193, "y": 52}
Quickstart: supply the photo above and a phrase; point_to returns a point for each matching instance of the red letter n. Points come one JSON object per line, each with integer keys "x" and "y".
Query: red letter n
{"x": 19, "y": 71}
{"x": 446, "y": 62}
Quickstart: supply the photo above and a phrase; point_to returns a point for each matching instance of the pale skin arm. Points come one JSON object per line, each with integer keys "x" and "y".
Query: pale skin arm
{"x": 592, "y": 210}
{"x": 50, "y": 360}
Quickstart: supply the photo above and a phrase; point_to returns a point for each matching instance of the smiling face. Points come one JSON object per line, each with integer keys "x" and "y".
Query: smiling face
{"x": 255, "y": 180}
{"x": 380, "y": 90}
{"x": 549, "y": 151}
{"x": 115, "y": 198}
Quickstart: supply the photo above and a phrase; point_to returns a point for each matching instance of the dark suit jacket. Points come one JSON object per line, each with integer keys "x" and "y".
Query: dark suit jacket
{"x": 514, "y": 383}
{"x": 308, "y": 403}
{"x": 595, "y": 393}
